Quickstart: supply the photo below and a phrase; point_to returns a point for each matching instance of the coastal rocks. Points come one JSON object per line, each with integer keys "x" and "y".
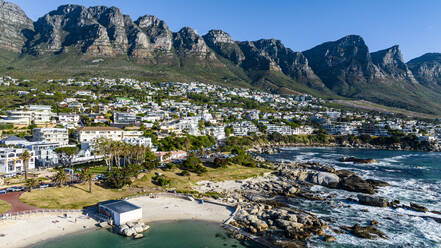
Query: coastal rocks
{"x": 329, "y": 238}
{"x": 355, "y": 183}
{"x": 377, "y": 183}
{"x": 263, "y": 220}
{"x": 418, "y": 208}
{"x": 374, "y": 201}
{"x": 324, "y": 179}
{"x": 132, "y": 229}
{"x": 358, "y": 160}
{"x": 369, "y": 232}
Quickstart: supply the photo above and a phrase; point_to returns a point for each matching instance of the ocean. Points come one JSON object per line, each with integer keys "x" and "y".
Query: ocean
{"x": 414, "y": 177}
{"x": 177, "y": 234}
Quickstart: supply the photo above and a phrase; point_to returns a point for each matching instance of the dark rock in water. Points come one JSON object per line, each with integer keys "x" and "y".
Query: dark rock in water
{"x": 377, "y": 183}
{"x": 418, "y": 208}
{"x": 436, "y": 212}
{"x": 374, "y": 201}
{"x": 394, "y": 204}
{"x": 355, "y": 183}
{"x": 329, "y": 238}
{"x": 344, "y": 173}
{"x": 358, "y": 160}
{"x": 368, "y": 232}
{"x": 374, "y": 223}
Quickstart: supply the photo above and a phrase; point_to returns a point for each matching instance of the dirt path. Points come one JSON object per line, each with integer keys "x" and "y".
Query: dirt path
{"x": 16, "y": 205}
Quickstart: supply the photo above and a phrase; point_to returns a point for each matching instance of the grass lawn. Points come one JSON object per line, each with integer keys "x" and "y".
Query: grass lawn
{"x": 4, "y": 206}
{"x": 72, "y": 197}
{"x": 234, "y": 172}
{"x": 77, "y": 196}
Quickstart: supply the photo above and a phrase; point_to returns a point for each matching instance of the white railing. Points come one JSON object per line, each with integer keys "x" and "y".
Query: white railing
{"x": 14, "y": 216}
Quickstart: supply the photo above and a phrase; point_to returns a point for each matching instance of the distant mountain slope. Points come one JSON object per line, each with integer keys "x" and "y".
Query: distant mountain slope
{"x": 69, "y": 40}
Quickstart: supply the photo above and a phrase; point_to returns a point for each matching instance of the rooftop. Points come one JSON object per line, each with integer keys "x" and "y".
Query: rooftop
{"x": 119, "y": 206}
{"x": 99, "y": 129}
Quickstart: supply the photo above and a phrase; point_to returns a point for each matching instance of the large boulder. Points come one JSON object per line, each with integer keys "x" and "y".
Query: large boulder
{"x": 374, "y": 201}
{"x": 324, "y": 179}
{"x": 418, "y": 208}
{"x": 355, "y": 183}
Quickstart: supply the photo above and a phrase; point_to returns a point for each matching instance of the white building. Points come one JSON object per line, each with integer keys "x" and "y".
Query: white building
{"x": 93, "y": 134}
{"x": 51, "y": 135}
{"x": 32, "y": 114}
{"x": 138, "y": 141}
{"x": 45, "y": 155}
{"x": 120, "y": 212}
{"x": 10, "y": 161}
{"x": 68, "y": 118}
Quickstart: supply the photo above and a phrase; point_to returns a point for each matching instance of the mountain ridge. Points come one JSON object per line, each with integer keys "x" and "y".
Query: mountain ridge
{"x": 342, "y": 68}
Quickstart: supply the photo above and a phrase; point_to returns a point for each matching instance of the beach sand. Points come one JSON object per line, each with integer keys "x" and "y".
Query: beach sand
{"x": 32, "y": 229}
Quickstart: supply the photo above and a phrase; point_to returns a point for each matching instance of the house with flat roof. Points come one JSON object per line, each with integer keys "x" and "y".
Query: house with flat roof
{"x": 120, "y": 211}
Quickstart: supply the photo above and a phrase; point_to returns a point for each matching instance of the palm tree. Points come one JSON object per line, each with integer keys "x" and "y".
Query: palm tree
{"x": 25, "y": 157}
{"x": 105, "y": 148}
{"x": 86, "y": 176}
{"x": 31, "y": 183}
{"x": 60, "y": 178}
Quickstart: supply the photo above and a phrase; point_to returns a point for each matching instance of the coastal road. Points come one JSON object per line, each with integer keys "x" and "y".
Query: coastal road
{"x": 16, "y": 204}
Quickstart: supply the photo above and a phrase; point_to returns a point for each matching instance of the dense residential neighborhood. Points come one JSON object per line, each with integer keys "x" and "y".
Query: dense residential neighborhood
{"x": 143, "y": 113}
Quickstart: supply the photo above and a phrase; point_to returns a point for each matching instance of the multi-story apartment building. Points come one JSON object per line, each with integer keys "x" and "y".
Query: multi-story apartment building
{"x": 32, "y": 114}
{"x": 10, "y": 161}
{"x": 93, "y": 134}
{"x": 124, "y": 119}
{"x": 51, "y": 135}
{"x": 45, "y": 155}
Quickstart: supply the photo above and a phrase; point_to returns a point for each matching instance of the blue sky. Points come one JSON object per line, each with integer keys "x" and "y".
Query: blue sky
{"x": 413, "y": 24}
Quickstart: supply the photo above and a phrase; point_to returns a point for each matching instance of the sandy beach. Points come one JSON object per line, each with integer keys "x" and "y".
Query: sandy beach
{"x": 32, "y": 229}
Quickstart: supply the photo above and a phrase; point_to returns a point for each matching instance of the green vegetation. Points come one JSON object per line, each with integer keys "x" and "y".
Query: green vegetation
{"x": 4, "y": 206}
{"x": 187, "y": 143}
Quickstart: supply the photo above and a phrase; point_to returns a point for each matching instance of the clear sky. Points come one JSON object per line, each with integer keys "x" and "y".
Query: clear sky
{"x": 415, "y": 25}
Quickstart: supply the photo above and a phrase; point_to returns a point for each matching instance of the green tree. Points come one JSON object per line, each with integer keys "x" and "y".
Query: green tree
{"x": 25, "y": 157}
{"x": 193, "y": 164}
{"x": 87, "y": 176}
{"x": 31, "y": 183}
{"x": 60, "y": 178}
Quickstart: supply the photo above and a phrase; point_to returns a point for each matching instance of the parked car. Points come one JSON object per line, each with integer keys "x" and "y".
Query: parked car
{"x": 15, "y": 189}
{"x": 43, "y": 186}
{"x": 3, "y": 191}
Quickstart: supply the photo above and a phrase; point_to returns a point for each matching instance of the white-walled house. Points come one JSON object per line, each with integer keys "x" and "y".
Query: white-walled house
{"x": 93, "y": 134}
{"x": 51, "y": 135}
{"x": 10, "y": 161}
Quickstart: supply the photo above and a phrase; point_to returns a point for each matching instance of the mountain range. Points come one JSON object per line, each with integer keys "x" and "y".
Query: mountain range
{"x": 77, "y": 41}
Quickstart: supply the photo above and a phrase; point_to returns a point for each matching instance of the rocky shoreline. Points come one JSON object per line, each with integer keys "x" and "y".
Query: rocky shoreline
{"x": 267, "y": 204}
{"x": 271, "y": 148}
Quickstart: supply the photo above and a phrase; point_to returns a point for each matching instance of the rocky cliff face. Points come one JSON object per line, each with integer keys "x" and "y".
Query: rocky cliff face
{"x": 98, "y": 31}
{"x": 342, "y": 63}
{"x": 188, "y": 43}
{"x": 14, "y": 26}
{"x": 391, "y": 65}
{"x": 272, "y": 55}
{"x": 427, "y": 69}
{"x": 151, "y": 36}
{"x": 222, "y": 43}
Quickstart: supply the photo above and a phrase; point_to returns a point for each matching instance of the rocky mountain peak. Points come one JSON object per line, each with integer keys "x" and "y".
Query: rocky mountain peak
{"x": 14, "y": 26}
{"x": 188, "y": 42}
{"x": 390, "y": 62}
{"x": 218, "y": 36}
{"x": 222, "y": 43}
{"x": 342, "y": 63}
{"x": 427, "y": 69}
